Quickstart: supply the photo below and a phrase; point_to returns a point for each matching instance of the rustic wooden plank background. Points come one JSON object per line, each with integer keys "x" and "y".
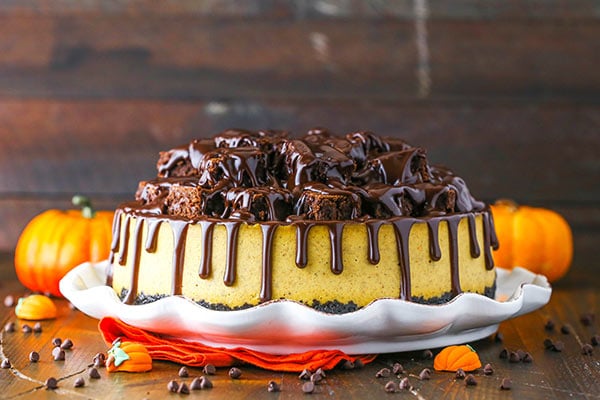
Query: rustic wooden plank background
{"x": 505, "y": 92}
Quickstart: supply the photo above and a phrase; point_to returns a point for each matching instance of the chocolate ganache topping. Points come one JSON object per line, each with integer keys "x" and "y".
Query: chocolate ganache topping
{"x": 271, "y": 178}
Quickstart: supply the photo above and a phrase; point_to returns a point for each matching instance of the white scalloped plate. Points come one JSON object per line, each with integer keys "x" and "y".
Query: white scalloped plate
{"x": 285, "y": 327}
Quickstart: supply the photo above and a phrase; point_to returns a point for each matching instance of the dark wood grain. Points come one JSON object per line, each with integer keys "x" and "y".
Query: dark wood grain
{"x": 551, "y": 375}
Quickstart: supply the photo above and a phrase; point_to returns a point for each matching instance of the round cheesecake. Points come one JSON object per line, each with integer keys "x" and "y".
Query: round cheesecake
{"x": 334, "y": 222}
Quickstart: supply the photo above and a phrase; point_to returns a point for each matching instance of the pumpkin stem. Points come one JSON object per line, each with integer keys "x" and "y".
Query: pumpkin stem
{"x": 86, "y": 205}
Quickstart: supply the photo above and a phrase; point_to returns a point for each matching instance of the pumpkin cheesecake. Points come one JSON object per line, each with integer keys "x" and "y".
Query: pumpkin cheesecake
{"x": 333, "y": 222}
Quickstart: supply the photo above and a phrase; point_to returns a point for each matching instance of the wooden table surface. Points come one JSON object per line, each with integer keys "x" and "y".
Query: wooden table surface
{"x": 551, "y": 375}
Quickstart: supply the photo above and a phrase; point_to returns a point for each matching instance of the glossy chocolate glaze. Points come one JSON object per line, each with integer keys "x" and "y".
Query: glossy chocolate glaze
{"x": 267, "y": 179}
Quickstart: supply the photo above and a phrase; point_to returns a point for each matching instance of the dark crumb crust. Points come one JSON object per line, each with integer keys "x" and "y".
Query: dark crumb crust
{"x": 329, "y": 307}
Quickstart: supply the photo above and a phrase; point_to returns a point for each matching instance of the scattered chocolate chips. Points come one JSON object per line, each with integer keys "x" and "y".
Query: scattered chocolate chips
{"x": 506, "y": 384}
{"x": 565, "y": 329}
{"x": 5, "y": 364}
{"x": 595, "y": 340}
{"x": 404, "y": 384}
{"x": 183, "y": 389}
{"x": 549, "y": 325}
{"x": 209, "y": 369}
{"x": 308, "y": 387}
{"x": 235, "y": 373}
{"x": 460, "y": 374}
{"x": 521, "y": 353}
{"x": 498, "y": 337}
{"x": 527, "y": 358}
{"x": 397, "y": 369}
{"x": 9, "y": 301}
{"x": 56, "y": 342}
{"x": 358, "y": 364}
{"x": 93, "y": 373}
{"x": 99, "y": 360}
{"x": 34, "y": 356}
{"x": 391, "y": 387}
{"x": 320, "y": 372}
{"x": 504, "y": 353}
{"x": 548, "y": 343}
{"x": 383, "y": 373}
{"x": 79, "y": 382}
{"x": 58, "y": 354}
{"x": 67, "y": 344}
{"x": 205, "y": 383}
{"x": 273, "y": 387}
{"x": 305, "y": 374}
{"x": 587, "y": 349}
{"x": 51, "y": 383}
{"x": 557, "y": 346}
{"x": 346, "y": 364}
{"x": 488, "y": 370}
{"x": 427, "y": 355}
{"x": 10, "y": 327}
{"x": 37, "y": 328}
{"x": 587, "y": 319}
{"x": 315, "y": 378}
{"x": 183, "y": 372}
{"x": 513, "y": 357}
{"x": 470, "y": 380}
{"x": 173, "y": 386}
{"x": 425, "y": 374}
{"x": 195, "y": 385}
{"x": 26, "y": 328}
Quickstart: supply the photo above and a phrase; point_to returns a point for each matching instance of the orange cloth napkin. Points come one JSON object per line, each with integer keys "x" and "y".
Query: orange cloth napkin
{"x": 198, "y": 355}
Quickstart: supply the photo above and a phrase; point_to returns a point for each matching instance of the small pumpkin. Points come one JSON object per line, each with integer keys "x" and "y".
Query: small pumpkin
{"x": 35, "y": 307}
{"x": 534, "y": 238}
{"x": 128, "y": 357}
{"x": 452, "y": 358}
{"x": 56, "y": 241}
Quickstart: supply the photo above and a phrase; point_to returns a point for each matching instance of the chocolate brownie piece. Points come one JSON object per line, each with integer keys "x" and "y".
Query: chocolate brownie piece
{"x": 259, "y": 204}
{"x": 191, "y": 201}
{"x": 395, "y": 168}
{"x": 385, "y": 201}
{"x": 440, "y": 199}
{"x": 266, "y": 140}
{"x": 183, "y": 160}
{"x": 243, "y": 166}
{"x": 321, "y": 202}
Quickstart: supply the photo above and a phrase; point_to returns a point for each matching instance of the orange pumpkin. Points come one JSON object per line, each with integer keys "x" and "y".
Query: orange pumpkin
{"x": 452, "y": 358}
{"x": 128, "y": 357}
{"x": 56, "y": 241}
{"x": 534, "y": 238}
{"x": 35, "y": 307}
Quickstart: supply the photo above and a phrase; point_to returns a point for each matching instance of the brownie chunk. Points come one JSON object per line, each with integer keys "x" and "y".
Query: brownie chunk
{"x": 396, "y": 168}
{"x": 385, "y": 201}
{"x": 259, "y": 204}
{"x": 243, "y": 166}
{"x": 183, "y": 160}
{"x": 321, "y": 202}
{"x": 191, "y": 201}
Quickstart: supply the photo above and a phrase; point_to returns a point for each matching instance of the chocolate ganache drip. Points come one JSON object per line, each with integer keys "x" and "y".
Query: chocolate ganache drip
{"x": 269, "y": 178}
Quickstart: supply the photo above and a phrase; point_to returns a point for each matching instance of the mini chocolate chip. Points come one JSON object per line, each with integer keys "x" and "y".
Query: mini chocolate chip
{"x": 558, "y": 346}
{"x": 498, "y": 337}
{"x": 37, "y": 328}
{"x": 205, "y": 383}
{"x": 26, "y": 328}
{"x": 514, "y": 357}
{"x": 506, "y": 384}
{"x": 404, "y": 384}
{"x": 93, "y": 373}
{"x": 549, "y": 325}
{"x": 56, "y": 342}
{"x": 425, "y": 374}
{"x": 383, "y": 373}
{"x": 235, "y": 373}
{"x": 67, "y": 344}
{"x": 397, "y": 369}
{"x": 426, "y": 355}
{"x": 565, "y": 329}
{"x": 346, "y": 364}
{"x": 273, "y": 387}
{"x": 320, "y": 372}
{"x": 358, "y": 364}
{"x": 308, "y": 387}
{"x": 34, "y": 356}
{"x": 595, "y": 340}
{"x": 521, "y": 354}
{"x": 9, "y": 301}
{"x": 587, "y": 319}
{"x": 101, "y": 357}
{"x": 51, "y": 383}
{"x": 5, "y": 364}
{"x": 527, "y": 358}
{"x": 173, "y": 386}
{"x": 587, "y": 349}
{"x": 183, "y": 372}
{"x": 58, "y": 354}
{"x": 305, "y": 374}
{"x": 548, "y": 343}
{"x": 460, "y": 374}
{"x": 195, "y": 385}
{"x": 79, "y": 382}
{"x": 183, "y": 389}
{"x": 315, "y": 378}
{"x": 10, "y": 327}
{"x": 391, "y": 387}
{"x": 470, "y": 380}
{"x": 503, "y": 353}
{"x": 488, "y": 370}
{"x": 209, "y": 369}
